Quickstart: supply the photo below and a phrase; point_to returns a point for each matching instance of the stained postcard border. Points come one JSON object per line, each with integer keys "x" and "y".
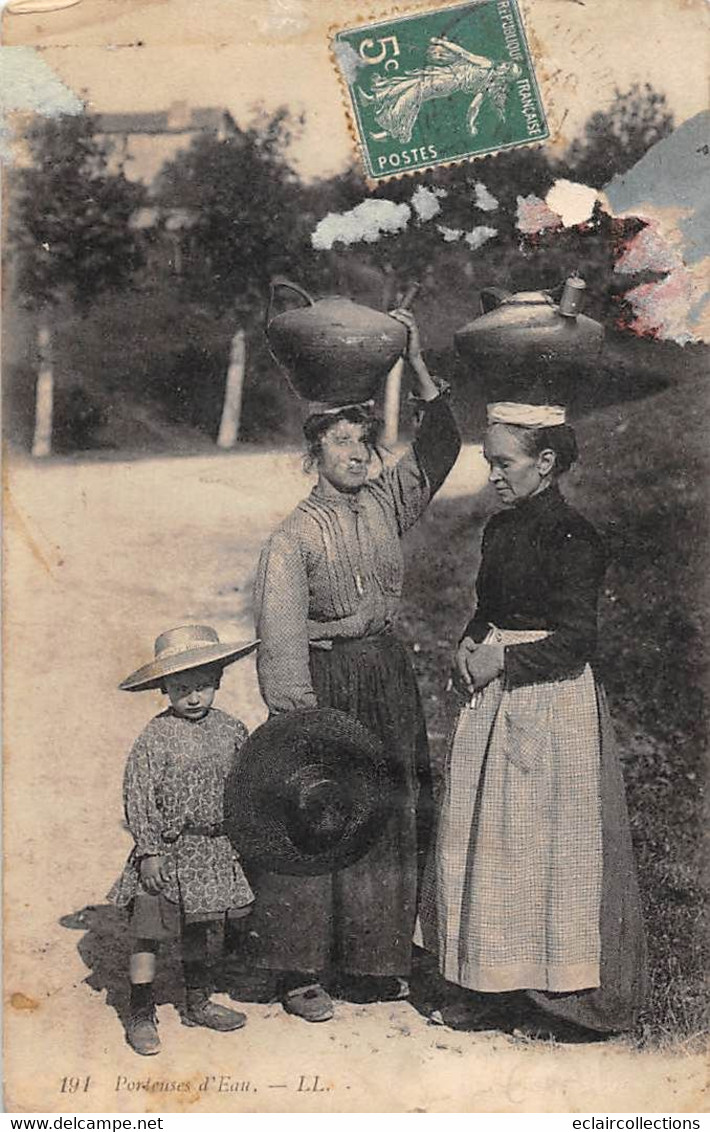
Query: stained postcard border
{"x": 26, "y": 1086}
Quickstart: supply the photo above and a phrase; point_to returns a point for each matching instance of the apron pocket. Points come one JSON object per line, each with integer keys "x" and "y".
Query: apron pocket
{"x": 526, "y": 740}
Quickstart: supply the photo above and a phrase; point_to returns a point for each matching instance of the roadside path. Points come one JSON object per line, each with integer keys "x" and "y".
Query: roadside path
{"x": 99, "y": 558}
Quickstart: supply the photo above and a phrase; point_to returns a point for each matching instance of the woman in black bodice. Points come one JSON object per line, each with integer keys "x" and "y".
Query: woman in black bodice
{"x": 532, "y": 886}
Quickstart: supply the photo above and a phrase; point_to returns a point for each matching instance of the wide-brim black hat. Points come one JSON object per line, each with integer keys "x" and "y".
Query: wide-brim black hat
{"x": 309, "y": 794}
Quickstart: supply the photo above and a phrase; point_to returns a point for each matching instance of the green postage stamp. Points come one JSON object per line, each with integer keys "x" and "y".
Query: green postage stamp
{"x": 440, "y": 85}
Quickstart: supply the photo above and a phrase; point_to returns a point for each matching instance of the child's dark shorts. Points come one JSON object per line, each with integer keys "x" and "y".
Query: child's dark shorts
{"x": 159, "y": 919}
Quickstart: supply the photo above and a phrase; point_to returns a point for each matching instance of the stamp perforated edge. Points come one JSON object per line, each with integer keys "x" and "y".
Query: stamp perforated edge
{"x": 395, "y": 13}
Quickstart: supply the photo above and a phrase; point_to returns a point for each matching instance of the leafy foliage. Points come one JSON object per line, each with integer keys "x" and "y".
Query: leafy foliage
{"x": 244, "y": 215}
{"x": 615, "y": 139}
{"x": 70, "y": 231}
{"x": 244, "y": 201}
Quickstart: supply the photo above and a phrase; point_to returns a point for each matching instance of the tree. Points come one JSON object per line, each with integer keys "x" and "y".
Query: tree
{"x": 247, "y": 224}
{"x": 243, "y": 197}
{"x": 615, "y": 139}
{"x": 70, "y": 234}
{"x": 70, "y": 228}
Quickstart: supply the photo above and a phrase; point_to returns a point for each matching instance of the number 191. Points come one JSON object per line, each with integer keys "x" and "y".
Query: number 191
{"x": 75, "y": 1084}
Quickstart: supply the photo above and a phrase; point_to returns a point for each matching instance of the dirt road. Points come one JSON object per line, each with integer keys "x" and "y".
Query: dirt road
{"x": 99, "y": 558}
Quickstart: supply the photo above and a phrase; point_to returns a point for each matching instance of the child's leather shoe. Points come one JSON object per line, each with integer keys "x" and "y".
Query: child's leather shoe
{"x": 142, "y": 1034}
{"x": 202, "y": 1012}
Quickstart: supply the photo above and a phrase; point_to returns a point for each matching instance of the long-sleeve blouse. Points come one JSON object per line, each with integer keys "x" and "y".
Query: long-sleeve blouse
{"x": 542, "y": 567}
{"x": 334, "y": 567}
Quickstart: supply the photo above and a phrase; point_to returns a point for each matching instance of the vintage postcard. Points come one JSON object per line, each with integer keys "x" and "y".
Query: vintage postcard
{"x": 316, "y": 797}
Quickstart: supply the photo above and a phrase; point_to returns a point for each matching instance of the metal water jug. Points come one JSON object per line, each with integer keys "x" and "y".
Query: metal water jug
{"x": 527, "y": 339}
{"x": 333, "y": 350}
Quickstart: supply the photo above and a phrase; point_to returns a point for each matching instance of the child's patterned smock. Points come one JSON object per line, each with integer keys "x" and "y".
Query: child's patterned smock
{"x": 173, "y": 793}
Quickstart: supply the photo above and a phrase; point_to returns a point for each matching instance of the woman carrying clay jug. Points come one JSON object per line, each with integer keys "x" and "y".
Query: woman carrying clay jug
{"x": 328, "y": 586}
{"x": 532, "y": 886}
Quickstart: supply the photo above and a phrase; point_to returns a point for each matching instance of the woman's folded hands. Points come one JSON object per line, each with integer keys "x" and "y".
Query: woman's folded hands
{"x": 475, "y": 665}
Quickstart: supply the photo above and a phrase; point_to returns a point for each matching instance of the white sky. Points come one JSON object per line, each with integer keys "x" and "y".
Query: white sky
{"x": 236, "y": 53}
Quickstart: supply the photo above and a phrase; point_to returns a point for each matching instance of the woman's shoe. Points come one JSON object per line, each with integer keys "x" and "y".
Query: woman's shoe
{"x": 372, "y": 988}
{"x": 202, "y": 1012}
{"x": 142, "y": 1034}
{"x": 312, "y": 1003}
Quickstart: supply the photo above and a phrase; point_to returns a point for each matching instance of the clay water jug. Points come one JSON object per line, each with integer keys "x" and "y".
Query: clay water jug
{"x": 528, "y": 340}
{"x": 333, "y": 350}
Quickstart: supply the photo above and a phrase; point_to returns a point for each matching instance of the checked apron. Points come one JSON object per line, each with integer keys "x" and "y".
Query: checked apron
{"x": 511, "y": 895}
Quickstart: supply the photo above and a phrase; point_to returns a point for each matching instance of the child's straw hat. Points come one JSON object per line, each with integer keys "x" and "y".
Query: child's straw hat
{"x": 177, "y": 650}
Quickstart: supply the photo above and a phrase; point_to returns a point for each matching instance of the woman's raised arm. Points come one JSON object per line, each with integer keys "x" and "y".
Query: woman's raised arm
{"x": 421, "y": 471}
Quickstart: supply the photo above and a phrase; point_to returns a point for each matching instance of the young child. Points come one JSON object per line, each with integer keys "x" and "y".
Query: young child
{"x": 182, "y": 872}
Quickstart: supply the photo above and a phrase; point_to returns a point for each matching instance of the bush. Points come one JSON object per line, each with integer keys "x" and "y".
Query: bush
{"x": 79, "y": 417}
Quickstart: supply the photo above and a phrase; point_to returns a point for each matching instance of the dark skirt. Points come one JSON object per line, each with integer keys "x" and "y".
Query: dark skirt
{"x": 359, "y": 920}
{"x": 615, "y": 1004}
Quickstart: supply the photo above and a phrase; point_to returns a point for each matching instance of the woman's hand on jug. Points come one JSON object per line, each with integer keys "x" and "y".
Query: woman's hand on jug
{"x": 425, "y": 387}
{"x": 414, "y": 344}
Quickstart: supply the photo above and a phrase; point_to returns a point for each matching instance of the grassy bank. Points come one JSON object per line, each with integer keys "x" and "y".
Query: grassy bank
{"x": 641, "y": 480}
{"x": 144, "y": 372}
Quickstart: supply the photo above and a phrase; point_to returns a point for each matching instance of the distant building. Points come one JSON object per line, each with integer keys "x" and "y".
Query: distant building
{"x": 171, "y": 242}
{"x": 143, "y": 142}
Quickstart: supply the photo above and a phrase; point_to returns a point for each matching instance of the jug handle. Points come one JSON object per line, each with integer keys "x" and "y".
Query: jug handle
{"x": 279, "y": 281}
{"x": 492, "y": 297}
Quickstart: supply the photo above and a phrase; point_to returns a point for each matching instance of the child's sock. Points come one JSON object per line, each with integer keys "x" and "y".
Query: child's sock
{"x": 196, "y": 974}
{"x": 142, "y": 998}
